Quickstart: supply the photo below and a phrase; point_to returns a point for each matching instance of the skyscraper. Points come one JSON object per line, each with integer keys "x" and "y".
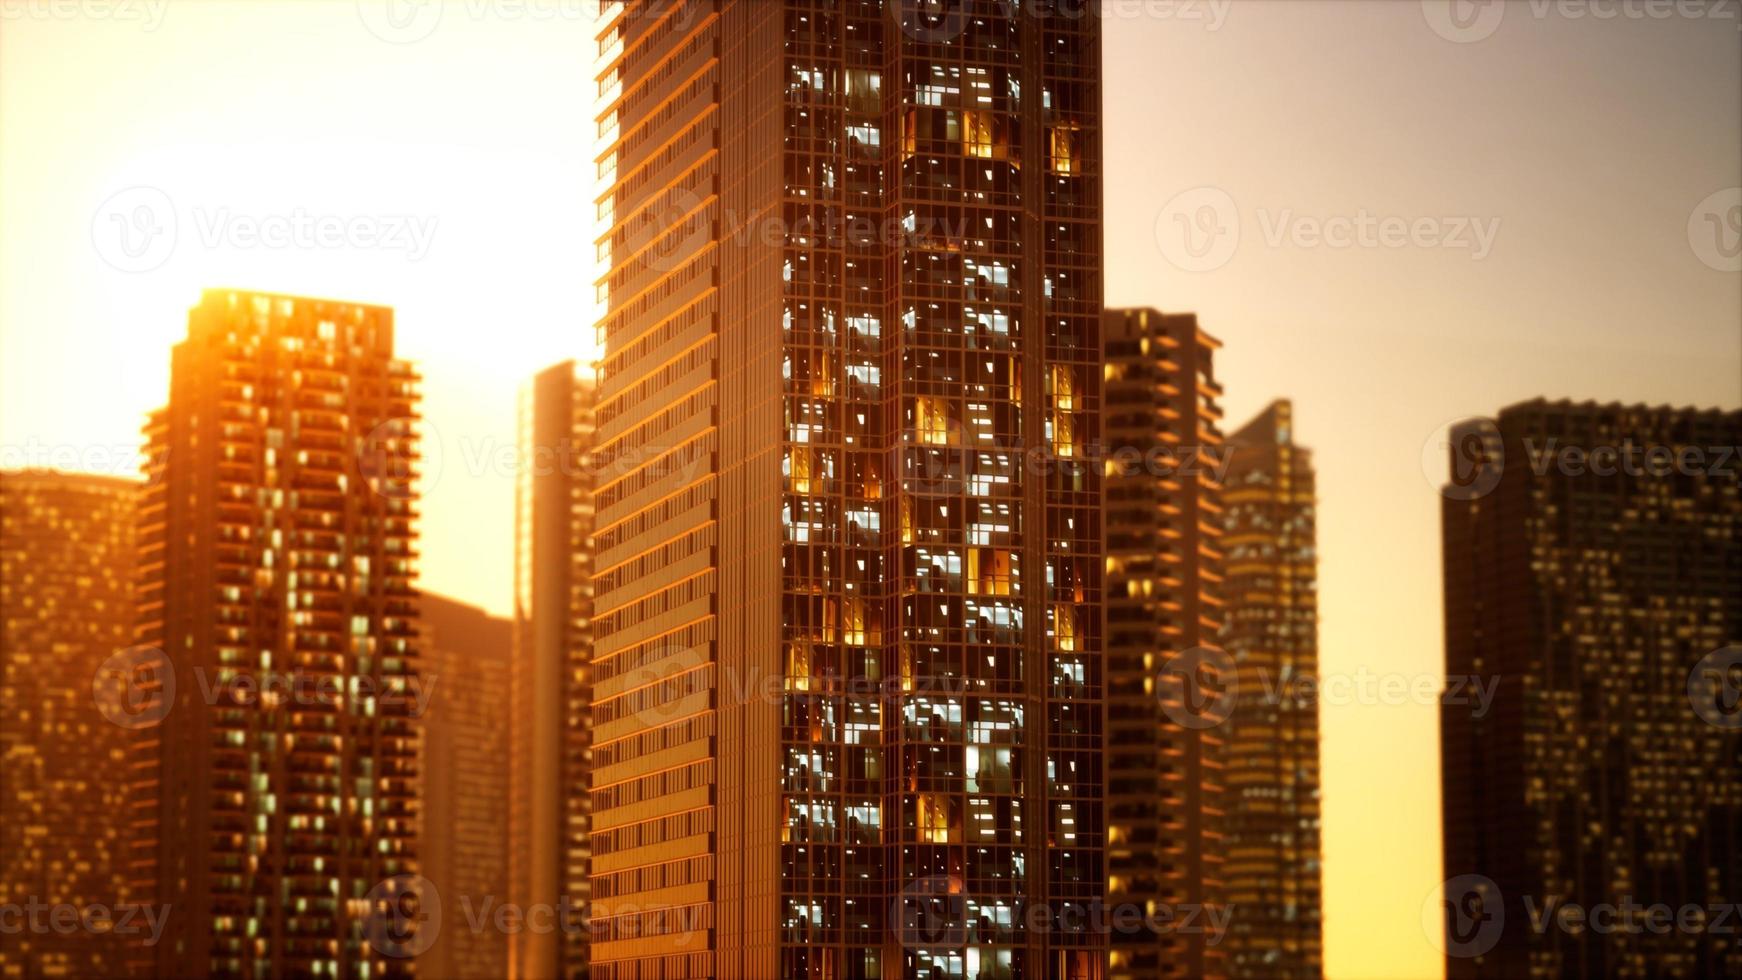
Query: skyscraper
{"x": 277, "y": 556}
{"x": 553, "y": 583}
{"x": 1270, "y": 630}
{"x": 1164, "y": 614}
{"x": 848, "y": 664}
{"x": 66, "y": 607}
{"x": 1593, "y": 576}
{"x": 463, "y": 846}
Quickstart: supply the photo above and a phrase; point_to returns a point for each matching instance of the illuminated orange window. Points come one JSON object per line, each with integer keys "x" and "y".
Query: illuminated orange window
{"x": 978, "y": 139}
{"x": 1064, "y": 626}
{"x": 798, "y": 667}
{"x": 935, "y": 825}
{"x": 932, "y": 420}
{"x": 1064, "y": 150}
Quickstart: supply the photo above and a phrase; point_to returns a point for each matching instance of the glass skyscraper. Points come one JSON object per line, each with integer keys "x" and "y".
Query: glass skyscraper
{"x": 848, "y": 667}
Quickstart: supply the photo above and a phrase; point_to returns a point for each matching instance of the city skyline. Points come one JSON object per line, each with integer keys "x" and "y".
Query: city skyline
{"x": 1330, "y": 327}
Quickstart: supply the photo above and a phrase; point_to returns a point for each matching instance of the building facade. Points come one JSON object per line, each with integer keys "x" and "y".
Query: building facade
{"x": 463, "y": 843}
{"x": 1593, "y": 577}
{"x": 1271, "y": 775}
{"x": 848, "y": 678}
{"x": 66, "y": 608}
{"x": 277, "y": 787}
{"x": 548, "y": 825}
{"x": 1166, "y": 677}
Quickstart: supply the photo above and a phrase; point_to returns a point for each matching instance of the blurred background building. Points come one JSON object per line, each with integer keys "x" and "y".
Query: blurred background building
{"x": 465, "y": 767}
{"x": 549, "y": 834}
{"x": 1165, "y": 746}
{"x": 1271, "y": 774}
{"x": 1593, "y": 574}
{"x": 66, "y": 608}
{"x": 277, "y": 554}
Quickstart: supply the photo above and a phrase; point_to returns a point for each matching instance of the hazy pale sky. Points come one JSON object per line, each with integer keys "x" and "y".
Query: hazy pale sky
{"x": 1394, "y": 217}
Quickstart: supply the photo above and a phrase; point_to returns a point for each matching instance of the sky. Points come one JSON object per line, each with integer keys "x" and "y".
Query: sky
{"x": 1394, "y": 216}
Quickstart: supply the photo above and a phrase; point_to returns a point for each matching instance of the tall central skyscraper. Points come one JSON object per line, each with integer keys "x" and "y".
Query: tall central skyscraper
{"x": 276, "y": 558}
{"x": 848, "y": 680}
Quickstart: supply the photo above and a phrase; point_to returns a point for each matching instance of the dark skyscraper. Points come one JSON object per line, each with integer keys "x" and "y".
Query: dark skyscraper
{"x": 277, "y": 556}
{"x": 1165, "y": 749}
{"x": 1593, "y": 572}
{"x": 66, "y": 607}
{"x": 1270, "y": 630}
{"x": 848, "y": 665}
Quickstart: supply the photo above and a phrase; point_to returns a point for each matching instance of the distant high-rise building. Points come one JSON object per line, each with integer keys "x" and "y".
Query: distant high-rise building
{"x": 847, "y": 682}
{"x": 553, "y": 585}
{"x": 1164, "y": 614}
{"x": 1271, "y": 774}
{"x": 66, "y": 607}
{"x": 277, "y": 556}
{"x": 463, "y": 847}
{"x": 1593, "y": 578}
